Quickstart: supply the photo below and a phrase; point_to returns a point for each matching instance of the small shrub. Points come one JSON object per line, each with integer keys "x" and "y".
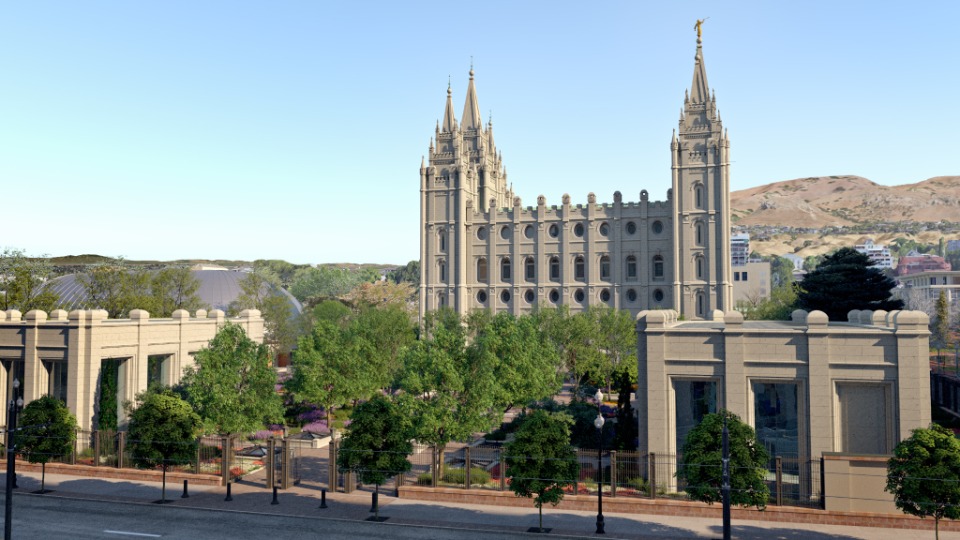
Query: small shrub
{"x": 458, "y": 476}
{"x": 425, "y": 479}
{"x": 639, "y": 484}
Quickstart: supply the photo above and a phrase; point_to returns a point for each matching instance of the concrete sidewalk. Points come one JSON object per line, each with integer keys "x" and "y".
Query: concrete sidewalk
{"x": 304, "y": 500}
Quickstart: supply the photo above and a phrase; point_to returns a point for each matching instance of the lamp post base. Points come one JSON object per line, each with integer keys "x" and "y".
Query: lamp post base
{"x": 600, "y": 525}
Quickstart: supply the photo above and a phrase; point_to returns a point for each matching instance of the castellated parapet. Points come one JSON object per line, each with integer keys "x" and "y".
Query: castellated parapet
{"x": 808, "y": 386}
{"x": 61, "y": 353}
{"x": 480, "y": 248}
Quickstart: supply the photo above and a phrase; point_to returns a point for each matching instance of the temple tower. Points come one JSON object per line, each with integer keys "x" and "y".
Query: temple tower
{"x": 701, "y": 193}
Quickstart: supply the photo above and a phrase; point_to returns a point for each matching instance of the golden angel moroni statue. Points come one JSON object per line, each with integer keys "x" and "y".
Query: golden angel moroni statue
{"x": 698, "y": 26}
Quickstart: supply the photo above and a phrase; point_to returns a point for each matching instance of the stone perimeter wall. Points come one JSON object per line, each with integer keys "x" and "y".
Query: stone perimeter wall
{"x": 84, "y": 338}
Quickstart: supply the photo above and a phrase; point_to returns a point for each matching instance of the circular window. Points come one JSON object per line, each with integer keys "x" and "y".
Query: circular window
{"x": 604, "y": 229}
{"x": 605, "y": 295}
{"x": 482, "y": 297}
{"x": 554, "y": 231}
{"x": 482, "y": 233}
{"x": 505, "y": 296}
{"x": 578, "y": 229}
{"x": 631, "y": 295}
{"x": 529, "y": 296}
{"x": 658, "y": 295}
{"x": 554, "y": 296}
{"x": 579, "y": 296}
{"x": 631, "y": 227}
{"x": 528, "y": 231}
{"x": 505, "y": 233}
{"x": 657, "y": 227}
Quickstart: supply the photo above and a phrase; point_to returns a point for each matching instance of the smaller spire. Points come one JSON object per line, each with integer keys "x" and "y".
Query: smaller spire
{"x": 449, "y": 119}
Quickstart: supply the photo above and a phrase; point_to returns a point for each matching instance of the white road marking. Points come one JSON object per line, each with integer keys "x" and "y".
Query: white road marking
{"x": 126, "y": 533}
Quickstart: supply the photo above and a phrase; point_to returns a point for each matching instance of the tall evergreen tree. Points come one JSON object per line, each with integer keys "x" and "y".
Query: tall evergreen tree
{"x": 844, "y": 281}
{"x": 940, "y": 325}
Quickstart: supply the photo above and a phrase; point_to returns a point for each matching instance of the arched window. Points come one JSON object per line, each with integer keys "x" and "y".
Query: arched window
{"x": 579, "y": 272}
{"x": 631, "y": 267}
{"x": 700, "y": 304}
{"x": 442, "y": 271}
{"x": 482, "y": 270}
{"x": 605, "y": 267}
{"x": 505, "y": 269}
{"x": 698, "y": 196}
{"x": 529, "y": 270}
{"x": 657, "y": 267}
{"x": 555, "y": 268}
{"x": 441, "y": 299}
{"x": 698, "y": 229}
{"x": 699, "y": 267}
{"x": 443, "y": 240}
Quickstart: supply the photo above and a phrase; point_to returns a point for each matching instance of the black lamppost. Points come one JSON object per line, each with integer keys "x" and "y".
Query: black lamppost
{"x": 598, "y": 423}
{"x": 12, "y": 408}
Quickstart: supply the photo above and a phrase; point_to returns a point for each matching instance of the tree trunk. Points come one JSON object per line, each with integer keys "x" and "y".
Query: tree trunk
{"x": 43, "y": 477}
{"x": 540, "y": 508}
{"x": 376, "y": 512}
{"x": 936, "y": 527}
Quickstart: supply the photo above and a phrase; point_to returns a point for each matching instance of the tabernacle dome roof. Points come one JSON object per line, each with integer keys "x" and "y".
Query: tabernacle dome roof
{"x": 218, "y": 288}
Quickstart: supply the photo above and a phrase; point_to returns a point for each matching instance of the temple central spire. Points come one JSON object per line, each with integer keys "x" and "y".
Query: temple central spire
{"x": 471, "y": 108}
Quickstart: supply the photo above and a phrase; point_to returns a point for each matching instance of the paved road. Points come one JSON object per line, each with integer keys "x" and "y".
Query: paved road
{"x": 47, "y": 517}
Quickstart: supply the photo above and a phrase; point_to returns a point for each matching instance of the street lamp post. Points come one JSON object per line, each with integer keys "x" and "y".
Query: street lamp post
{"x": 12, "y": 409}
{"x": 598, "y": 423}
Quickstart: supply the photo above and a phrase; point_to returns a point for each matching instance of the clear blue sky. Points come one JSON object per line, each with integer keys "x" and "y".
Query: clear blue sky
{"x": 294, "y": 130}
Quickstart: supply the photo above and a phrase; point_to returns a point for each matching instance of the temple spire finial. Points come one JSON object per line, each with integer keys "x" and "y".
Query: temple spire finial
{"x": 471, "y": 118}
{"x": 449, "y": 120}
{"x": 699, "y": 90}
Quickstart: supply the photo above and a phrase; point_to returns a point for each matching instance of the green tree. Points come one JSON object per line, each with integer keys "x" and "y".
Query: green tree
{"x": 616, "y": 342}
{"x": 540, "y": 460}
{"x": 572, "y": 337}
{"x": 924, "y": 475}
{"x": 627, "y": 429}
{"x": 702, "y": 463}
{"x": 281, "y": 328}
{"x": 779, "y": 307}
{"x": 844, "y": 281}
{"x": 448, "y": 391}
{"x": 378, "y": 443}
{"x": 781, "y": 272}
{"x": 410, "y": 273}
{"x": 526, "y": 365}
{"x": 329, "y": 281}
{"x": 163, "y": 430}
{"x": 327, "y": 369}
{"x": 232, "y": 386}
{"x": 382, "y": 334}
{"x": 25, "y": 282}
{"x": 49, "y": 431}
{"x": 117, "y": 288}
{"x": 333, "y": 311}
{"x": 940, "y": 325}
{"x": 173, "y": 289}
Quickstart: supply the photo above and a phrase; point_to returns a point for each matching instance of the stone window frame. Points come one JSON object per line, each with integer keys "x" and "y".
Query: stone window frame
{"x": 890, "y": 396}
{"x": 481, "y": 297}
{"x": 671, "y": 402}
{"x": 579, "y": 268}
{"x": 661, "y": 275}
{"x": 529, "y": 296}
{"x": 529, "y": 269}
{"x": 630, "y": 264}
{"x": 555, "y": 265}
{"x": 554, "y": 296}
{"x": 605, "y": 268}
{"x": 579, "y": 230}
{"x": 803, "y": 407}
{"x": 506, "y": 270}
{"x": 505, "y": 296}
{"x": 484, "y": 276}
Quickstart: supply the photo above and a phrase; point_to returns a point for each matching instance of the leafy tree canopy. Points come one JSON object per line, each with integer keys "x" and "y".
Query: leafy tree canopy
{"x": 410, "y": 273}
{"x": 163, "y": 429}
{"x": 844, "y": 281}
{"x": 378, "y": 442}
{"x": 49, "y": 430}
{"x": 540, "y": 460}
{"x": 281, "y": 323}
{"x": 702, "y": 464}
{"x": 232, "y": 386}
{"x": 924, "y": 474}
{"x": 24, "y": 282}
